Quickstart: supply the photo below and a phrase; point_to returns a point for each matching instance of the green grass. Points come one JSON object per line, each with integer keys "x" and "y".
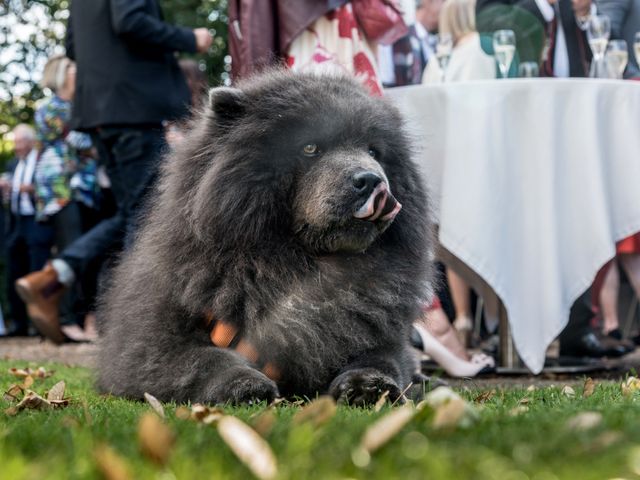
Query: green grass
{"x": 534, "y": 445}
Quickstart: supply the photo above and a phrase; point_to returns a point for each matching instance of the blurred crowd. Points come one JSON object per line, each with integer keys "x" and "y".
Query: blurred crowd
{"x": 117, "y": 99}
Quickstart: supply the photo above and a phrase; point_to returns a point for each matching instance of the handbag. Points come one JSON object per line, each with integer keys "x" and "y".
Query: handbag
{"x": 380, "y": 20}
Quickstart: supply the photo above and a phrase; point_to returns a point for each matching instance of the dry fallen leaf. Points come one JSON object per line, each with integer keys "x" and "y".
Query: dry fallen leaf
{"x": 589, "y": 387}
{"x": 41, "y": 372}
{"x": 264, "y": 422}
{"x": 183, "y": 413}
{"x": 568, "y": 392}
{"x": 155, "y": 438}
{"x": 13, "y": 393}
{"x": 155, "y": 404}
{"x": 519, "y": 410}
{"x": 630, "y": 385}
{"x": 57, "y": 391}
{"x": 450, "y": 414}
{"x": 205, "y": 414}
{"x": 249, "y": 447}
{"x": 387, "y": 427}
{"x": 318, "y": 412}
{"x": 19, "y": 372}
{"x": 524, "y": 401}
{"x": 381, "y": 401}
{"x": 485, "y": 396}
{"x": 531, "y": 388}
{"x": 111, "y": 465}
{"x": 584, "y": 421}
{"x": 33, "y": 401}
{"x": 27, "y": 372}
{"x": 27, "y": 382}
{"x": 460, "y": 414}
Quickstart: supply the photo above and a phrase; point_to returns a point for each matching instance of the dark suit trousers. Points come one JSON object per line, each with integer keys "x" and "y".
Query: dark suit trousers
{"x": 28, "y": 247}
{"x": 131, "y": 156}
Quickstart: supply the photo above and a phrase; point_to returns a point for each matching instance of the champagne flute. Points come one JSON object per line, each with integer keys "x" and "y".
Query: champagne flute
{"x": 636, "y": 47}
{"x": 598, "y": 31}
{"x": 617, "y": 57}
{"x": 443, "y": 52}
{"x": 504, "y": 48}
{"x": 528, "y": 70}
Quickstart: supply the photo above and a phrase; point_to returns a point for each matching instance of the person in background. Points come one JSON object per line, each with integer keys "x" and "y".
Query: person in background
{"x": 28, "y": 243}
{"x": 625, "y": 22}
{"x": 561, "y": 21}
{"x": 411, "y": 54}
{"x": 128, "y": 84}
{"x": 67, "y": 192}
{"x": 335, "y": 41}
{"x": 468, "y": 61}
{"x": 607, "y": 284}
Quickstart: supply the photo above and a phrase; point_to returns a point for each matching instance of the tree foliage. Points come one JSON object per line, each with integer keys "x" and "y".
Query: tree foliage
{"x": 33, "y": 30}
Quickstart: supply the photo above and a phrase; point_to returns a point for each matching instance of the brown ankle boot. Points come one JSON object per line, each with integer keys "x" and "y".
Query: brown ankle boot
{"x": 41, "y": 292}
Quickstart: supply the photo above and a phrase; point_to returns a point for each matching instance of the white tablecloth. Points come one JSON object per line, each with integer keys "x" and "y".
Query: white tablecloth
{"x": 533, "y": 182}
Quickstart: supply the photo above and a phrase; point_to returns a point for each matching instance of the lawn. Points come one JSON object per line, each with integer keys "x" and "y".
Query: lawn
{"x": 516, "y": 434}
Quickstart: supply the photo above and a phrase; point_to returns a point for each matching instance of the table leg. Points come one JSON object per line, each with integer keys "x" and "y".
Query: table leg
{"x": 508, "y": 356}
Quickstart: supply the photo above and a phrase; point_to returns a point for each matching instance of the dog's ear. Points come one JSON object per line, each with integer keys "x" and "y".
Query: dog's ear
{"x": 226, "y": 103}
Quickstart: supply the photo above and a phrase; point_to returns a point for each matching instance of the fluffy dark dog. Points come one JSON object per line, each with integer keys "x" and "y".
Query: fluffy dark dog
{"x": 291, "y": 228}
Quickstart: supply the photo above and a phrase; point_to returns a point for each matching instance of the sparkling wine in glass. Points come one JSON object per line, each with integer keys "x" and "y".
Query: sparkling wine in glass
{"x": 443, "y": 52}
{"x": 598, "y": 31}
{"x": 528, "y": 70}
{"x": 504, "y": 48}
{"x": 617, "y": 57}
{"x": 636, "y": 47}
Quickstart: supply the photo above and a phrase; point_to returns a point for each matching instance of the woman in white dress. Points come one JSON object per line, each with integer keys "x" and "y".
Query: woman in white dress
{"x": 468, "y": 61}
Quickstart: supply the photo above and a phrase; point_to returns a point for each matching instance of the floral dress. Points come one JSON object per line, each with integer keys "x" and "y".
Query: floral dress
{"x": 336, "y": 42}
{"x": 63, "y": 173}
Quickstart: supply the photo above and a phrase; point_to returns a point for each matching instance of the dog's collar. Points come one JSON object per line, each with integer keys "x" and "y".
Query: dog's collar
{"x": 226, "y": 335}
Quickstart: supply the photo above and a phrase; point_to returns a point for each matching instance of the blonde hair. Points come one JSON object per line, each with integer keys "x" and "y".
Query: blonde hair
{"x": 54, "y": 75}
{"x": 457, "y": 18}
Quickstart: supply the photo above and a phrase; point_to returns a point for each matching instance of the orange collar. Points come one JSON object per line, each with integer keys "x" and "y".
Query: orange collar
{"x": 226, "y": 335}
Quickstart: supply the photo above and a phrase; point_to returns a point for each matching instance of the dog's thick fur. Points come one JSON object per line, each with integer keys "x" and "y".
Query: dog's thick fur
{"x": 248, "y": 225}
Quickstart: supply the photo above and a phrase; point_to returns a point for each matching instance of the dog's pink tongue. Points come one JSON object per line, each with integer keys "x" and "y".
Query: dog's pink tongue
{"x": 381, "y": 204}
{"x": 390, "y": 208}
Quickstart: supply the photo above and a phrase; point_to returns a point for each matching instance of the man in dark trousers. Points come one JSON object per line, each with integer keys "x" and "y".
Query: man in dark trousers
{"x": 128, "y": 84}
{"x": 561, "y": 21}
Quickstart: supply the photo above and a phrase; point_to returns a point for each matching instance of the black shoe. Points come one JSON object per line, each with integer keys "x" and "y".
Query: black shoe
{"x": 593, "y": 344}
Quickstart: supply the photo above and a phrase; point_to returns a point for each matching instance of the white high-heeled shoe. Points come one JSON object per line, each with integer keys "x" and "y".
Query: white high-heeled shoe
{"x": 450, "y": 363}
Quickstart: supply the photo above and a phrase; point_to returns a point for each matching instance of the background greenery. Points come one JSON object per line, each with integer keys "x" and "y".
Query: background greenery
{"x": 32, "y": 30}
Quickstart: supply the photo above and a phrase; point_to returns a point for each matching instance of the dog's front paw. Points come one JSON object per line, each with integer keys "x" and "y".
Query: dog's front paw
{"x": 245, "y": 385}
{"x": 363, "y": 387}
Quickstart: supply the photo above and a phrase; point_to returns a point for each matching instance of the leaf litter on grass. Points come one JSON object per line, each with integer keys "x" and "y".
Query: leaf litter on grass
{"x": 250, "y": 448}
{"x": 32, "y": 401}
{"x": 156, "y": 439}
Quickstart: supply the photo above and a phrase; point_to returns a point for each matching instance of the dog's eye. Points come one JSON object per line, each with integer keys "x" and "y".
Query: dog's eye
{"x": 310, "y": 149}
{"x": 373, "y": 152}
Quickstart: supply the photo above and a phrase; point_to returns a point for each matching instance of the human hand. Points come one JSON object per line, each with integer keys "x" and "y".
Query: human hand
{"x": 203, "y": 39}
{"x": 27, "y": 188}
{"x": 581, "y": 8}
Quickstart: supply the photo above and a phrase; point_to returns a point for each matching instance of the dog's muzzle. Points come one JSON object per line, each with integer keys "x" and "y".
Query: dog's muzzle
{"x": 381, "y": 205}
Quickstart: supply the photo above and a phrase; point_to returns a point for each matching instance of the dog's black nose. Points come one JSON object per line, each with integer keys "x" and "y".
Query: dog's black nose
{"x": 365, "y": 182}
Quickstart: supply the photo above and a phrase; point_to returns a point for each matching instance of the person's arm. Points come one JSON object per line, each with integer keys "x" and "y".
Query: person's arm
{"x": 130, "y": 20}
